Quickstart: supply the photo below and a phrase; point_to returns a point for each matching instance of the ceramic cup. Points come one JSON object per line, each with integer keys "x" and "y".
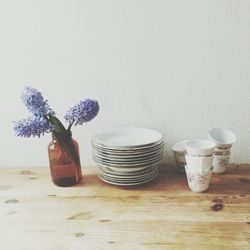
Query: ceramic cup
{"x": 200, "y": 147}
{"x": 198, "y": 182}
{"x": 222, "y": 137}
{"x": 179, "y": 150}
{"x": 220, "y": 163}
{"x": 199, "y": 164}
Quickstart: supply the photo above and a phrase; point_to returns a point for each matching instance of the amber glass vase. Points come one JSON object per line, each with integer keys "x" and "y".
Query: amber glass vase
{"x": 65, "y": 169}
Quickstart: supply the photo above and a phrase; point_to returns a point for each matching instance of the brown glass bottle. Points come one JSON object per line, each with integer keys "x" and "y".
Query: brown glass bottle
{"x": 65, "y": 170}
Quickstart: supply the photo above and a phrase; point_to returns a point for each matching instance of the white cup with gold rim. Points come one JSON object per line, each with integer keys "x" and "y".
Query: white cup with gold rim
{"x": 179, "y": 150}
{"x": 223, "y": 138}
{"x": 199, "y": 147}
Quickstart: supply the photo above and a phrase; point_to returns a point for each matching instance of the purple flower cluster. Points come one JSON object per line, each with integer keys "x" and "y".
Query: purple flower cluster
{"x": 82, "y": 112}
{"x": 32, "y": 127}
{"x": 44, "y": 120}
{"x": 35, "y": 102}
{"x": 38, "y": 124}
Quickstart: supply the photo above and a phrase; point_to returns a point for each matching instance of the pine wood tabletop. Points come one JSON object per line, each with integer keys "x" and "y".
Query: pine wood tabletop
{"x": 163, "y": 214}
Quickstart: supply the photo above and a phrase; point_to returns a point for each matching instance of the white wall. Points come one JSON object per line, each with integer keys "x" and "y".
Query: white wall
{"x": 174, "y": 66}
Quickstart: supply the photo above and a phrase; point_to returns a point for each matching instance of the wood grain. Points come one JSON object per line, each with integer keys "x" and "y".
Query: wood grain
{"x": 164, "y": 214}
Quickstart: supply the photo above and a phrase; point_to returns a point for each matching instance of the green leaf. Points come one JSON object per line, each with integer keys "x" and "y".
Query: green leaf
{"x": 56, "y": 123}
{"x": 64, "y": 138}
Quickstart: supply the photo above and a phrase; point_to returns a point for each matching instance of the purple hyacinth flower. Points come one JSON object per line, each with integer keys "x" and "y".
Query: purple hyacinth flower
{"x": 35, "y": 102}
{"x": 82, "y": 112}
{"x": 32, "y": 127}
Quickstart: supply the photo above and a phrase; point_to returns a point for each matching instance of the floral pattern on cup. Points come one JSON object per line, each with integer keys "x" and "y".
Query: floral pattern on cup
{"x": 220, "y": 163}
{"x": 198, "y": 182}
{"x": 221, "y": 152}
{"x": 222, "y": 147}
{"x": 194, "y": 155}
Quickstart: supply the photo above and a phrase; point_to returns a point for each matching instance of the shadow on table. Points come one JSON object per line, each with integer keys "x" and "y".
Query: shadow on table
{"x": 167, "y": 177}
{"x": 236, "y": 180}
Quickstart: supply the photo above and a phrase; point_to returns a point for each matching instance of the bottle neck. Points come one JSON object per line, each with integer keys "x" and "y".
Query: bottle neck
{"x": 67, "y": 133}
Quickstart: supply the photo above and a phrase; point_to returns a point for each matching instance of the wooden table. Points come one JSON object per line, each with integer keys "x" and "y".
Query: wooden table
{"x": 165, "y": 214}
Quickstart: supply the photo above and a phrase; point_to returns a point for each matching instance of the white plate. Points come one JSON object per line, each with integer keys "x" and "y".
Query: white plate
{"x": 128, "y": 180}
{"x": 138, "y": 159}
{"x": 126, "y": 171}
{"x": 128, "y": 153}
{"x": 127, "y": 137}
{"x": 142, "y": 174}
{"x": 128, "y": 148}
{"x": 128, "y": 164}
{"x": 128, "y": 183}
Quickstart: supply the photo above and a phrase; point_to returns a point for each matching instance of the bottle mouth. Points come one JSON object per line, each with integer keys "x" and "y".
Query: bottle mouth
{"x": 66, "y": 132}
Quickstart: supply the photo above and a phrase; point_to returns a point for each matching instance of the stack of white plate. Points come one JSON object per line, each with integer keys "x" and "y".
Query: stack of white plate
{"x": 128, "y": 156}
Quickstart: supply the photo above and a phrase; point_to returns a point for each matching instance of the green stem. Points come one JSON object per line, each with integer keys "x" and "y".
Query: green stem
{"x": 70, "y": 125}
{"x": 64, "y": 137}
